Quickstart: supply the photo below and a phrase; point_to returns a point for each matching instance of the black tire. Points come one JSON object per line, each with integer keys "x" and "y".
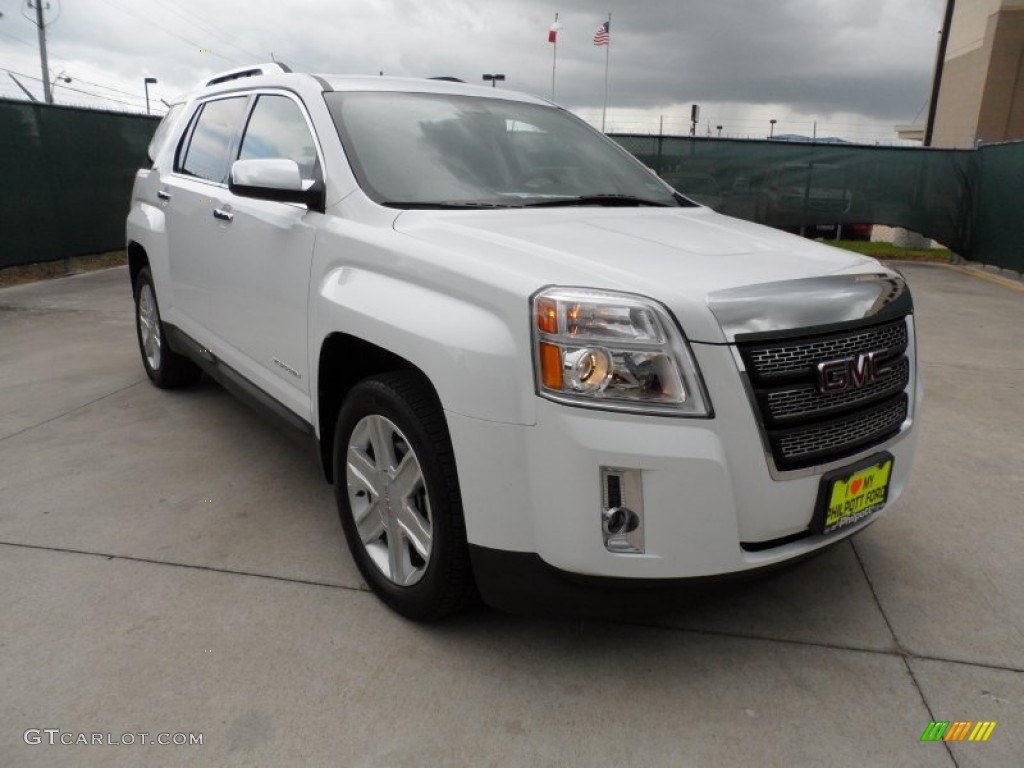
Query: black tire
{"x": 165, "y": 368}
{"x": 406, "y": 402}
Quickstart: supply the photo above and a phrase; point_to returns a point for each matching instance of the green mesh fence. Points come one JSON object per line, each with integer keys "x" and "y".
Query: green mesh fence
{"x": 67, "y": 178}
{"x": 818, "y": 186}
{"x": 968, "y": 200}
{"x": 997, "y": 206}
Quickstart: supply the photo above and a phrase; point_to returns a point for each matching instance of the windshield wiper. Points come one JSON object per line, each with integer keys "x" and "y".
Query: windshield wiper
{"x": 446, "y": 205}
{"x": 602, "y": 199}
{"x": 554, "y": 202}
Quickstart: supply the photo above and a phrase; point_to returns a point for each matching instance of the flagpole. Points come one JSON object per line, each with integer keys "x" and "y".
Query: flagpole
{"x": 554, "y": 59}
{"x": 607, "y": 54}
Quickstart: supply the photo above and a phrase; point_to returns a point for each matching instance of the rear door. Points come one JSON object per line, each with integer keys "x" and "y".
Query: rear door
{"x": 193, "y": 195}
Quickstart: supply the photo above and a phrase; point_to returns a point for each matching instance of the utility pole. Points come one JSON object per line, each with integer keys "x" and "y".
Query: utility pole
{"x": 940, "y": 61}
{"x": 41, "y": 28}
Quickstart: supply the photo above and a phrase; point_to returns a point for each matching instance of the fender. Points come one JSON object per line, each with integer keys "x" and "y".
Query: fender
{"x": 469, "y": 353}
{"x": 147, "y": 226}
{"x": 419, "y": 302}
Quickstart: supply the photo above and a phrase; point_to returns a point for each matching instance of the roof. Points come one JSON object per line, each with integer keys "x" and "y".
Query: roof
{"x": 423, "y": 85}
{"x": 275, "y": 73}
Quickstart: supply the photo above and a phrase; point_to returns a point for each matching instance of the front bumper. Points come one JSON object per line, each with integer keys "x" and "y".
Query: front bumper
{"x": 711, "y": 504}
{"x": 522, "y": 583}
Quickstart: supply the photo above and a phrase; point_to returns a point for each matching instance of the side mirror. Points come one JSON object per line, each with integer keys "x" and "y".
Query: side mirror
{"x": 274, "y": 179}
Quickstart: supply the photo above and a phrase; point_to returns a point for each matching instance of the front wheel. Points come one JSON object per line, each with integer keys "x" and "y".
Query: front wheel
{"x": 398, "y": 496}
{"x": 165, "y": 368}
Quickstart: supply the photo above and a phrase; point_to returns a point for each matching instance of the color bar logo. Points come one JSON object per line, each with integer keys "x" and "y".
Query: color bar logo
{"x": 958, "y": 730}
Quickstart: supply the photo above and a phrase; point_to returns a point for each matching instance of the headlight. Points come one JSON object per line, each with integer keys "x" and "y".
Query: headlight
{"x": 611, "y": 350}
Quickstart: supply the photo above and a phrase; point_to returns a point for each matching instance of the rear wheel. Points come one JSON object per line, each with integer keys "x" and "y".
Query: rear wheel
{"x": 165, "y": 368}
{"x": 398, "y": 496}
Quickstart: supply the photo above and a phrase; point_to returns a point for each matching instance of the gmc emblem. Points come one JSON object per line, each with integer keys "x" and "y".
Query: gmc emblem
{"x": 837, "y": 376}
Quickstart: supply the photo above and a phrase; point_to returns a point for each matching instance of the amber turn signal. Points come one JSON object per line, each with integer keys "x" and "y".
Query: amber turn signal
{"x": 551, "y": 366}
{"x": 547, "y": 315}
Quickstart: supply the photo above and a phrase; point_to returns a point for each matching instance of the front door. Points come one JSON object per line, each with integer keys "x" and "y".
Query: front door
{"x": 260, "y": 276}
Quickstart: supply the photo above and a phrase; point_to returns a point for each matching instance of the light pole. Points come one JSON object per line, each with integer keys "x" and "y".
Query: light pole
{"x": 62, "y": 77}
{"x": 494, "y": 79}
{"x": 146, "y": 83}
{"x": 771, "y": 130}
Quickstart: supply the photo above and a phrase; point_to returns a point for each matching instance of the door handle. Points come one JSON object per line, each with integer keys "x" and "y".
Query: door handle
{"x": 220, "y": 213}
{"x": 163, "y": 194}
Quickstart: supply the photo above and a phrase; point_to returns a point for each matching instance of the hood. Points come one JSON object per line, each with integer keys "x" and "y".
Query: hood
{"x": 679, "y": 257}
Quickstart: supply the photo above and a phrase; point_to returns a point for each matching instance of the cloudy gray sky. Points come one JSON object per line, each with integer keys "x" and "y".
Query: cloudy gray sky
{"x": 856, "y": 66}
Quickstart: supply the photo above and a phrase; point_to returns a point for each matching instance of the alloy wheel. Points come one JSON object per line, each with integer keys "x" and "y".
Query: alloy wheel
{"x": 389, "y": 501}
{"x": 149, "y": 326}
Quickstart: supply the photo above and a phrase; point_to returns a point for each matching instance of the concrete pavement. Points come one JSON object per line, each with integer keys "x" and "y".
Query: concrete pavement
{"x": 170, "y": 562}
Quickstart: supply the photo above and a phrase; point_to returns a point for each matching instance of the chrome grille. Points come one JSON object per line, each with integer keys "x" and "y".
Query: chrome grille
{"x": 804, "y": 425}
{"x": 844, "y": 433}
{"x": 789, "y": 403}
{"x": 786, "y": 358}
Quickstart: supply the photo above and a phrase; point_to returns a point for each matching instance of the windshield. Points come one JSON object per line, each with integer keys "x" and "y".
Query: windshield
{"x": 427, "y": 150}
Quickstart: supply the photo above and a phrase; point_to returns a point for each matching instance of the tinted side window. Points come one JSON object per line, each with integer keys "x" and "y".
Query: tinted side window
{"x": 209, "y": 150}
{"x": 278, "y": 129}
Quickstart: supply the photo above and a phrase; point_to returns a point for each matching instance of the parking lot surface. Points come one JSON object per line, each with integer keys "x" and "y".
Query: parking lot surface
{"x": 172, "y": 564}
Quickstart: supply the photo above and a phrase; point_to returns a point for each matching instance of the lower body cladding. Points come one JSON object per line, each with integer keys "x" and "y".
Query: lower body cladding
{"x": 594, "y": 504}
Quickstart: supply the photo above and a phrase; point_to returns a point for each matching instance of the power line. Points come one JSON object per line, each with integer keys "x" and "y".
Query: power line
{"x": 76, "y": 90}
{"x": 77, "y": 78}
{"x": 34, "y": 18}
{"x": 17, "y": 39}
{"x": 76, "y": 67}
{"x": 167, "y": 31}
{"x": 65, "y": 64}
{"x": 109, "y": 88}
{"x": 208, "y": 29}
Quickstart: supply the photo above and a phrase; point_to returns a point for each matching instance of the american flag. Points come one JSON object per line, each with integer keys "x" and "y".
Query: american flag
{"x": 601, "y": 36}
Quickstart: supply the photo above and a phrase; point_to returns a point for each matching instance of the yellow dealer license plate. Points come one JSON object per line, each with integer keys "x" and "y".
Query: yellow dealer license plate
{"x": 852, "y": 494}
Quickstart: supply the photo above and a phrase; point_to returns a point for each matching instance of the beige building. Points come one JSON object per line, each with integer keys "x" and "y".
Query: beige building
{"x": 982, "y": 95}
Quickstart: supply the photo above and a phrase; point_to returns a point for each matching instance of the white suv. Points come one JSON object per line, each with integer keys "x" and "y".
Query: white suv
{"x": 534, "y": 371}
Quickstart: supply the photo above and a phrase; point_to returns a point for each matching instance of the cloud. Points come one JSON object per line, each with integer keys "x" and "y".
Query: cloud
{"x": 870, "y": 58}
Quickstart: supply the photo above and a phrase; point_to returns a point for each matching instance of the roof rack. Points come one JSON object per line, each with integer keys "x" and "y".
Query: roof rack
{"x": 249, "y": 71}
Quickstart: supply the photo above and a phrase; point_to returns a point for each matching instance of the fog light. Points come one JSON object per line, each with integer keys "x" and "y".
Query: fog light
{"x": 622, "y": 510}
{"x": 619, "y": 520}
